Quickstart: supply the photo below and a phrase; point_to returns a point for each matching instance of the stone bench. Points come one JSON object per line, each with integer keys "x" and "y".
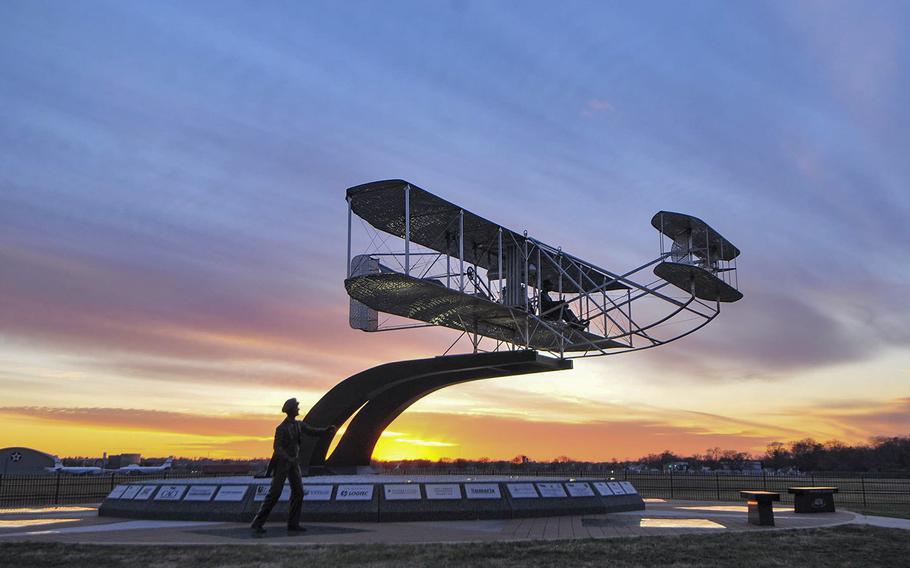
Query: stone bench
{"x": 813, "y": 499}
{"x": 761, "y": 511}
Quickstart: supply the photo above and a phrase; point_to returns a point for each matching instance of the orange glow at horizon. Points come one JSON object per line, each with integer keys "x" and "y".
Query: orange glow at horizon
{"x": 414, "y": 435}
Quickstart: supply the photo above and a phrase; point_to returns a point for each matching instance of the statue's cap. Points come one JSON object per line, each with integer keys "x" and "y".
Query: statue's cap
{"x": 289, "y": 405}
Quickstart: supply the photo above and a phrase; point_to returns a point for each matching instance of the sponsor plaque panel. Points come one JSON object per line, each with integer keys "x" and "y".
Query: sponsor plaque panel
{"x": 551, "y": 490}
{"x": 145, "y": 493}
{"x": 231, "y": 493}
{"x": 354, "y": 493}
{"x": 200, "y": 493}
{"x": 170, "y": 493}
{"x": 628, "y": 488}
{"x": 131, "y": 491}
{"x": 116, "y": 492}
{"x": 402, "y": 492}
{"x": 443, "y": 491}
{"x": 603, "y": 488}
{"x": 616, "y": 487}
{"x": 579, "y": 489}
{"x": 317, "y": 492}
{"x": 263, "y": 490}
{"x": 482, "y": 491}
{"x": 522, "y": 490}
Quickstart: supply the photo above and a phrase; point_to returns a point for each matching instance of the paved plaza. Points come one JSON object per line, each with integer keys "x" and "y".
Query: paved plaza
{"x": 82, "y": 525}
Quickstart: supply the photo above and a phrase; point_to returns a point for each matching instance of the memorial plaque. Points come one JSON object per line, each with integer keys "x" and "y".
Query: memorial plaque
{"x": 263, "y": 490}
{"x": 317, "y": 492}
{"x": 354, "y": 493}
{"x": 603, "y": 488}
{"x": 443, "y": 491}
{"x": 628, "y": 488}
{"x": 616, "y": 488}
{"x": 482, "y": 491}
{"x": 116, "y": 492}
{"x": 170, "y": 493}
{"x": 200, "y": 493}
{"x": 522, "y": 490}
{"x": 402, "y": 492}
{"x": 579, "y": 489}
{"x": 145, "y": 492}
{"x": 231, "y": 493}
{"x": 131, "y": 491}
{"x": 551, "y": 490}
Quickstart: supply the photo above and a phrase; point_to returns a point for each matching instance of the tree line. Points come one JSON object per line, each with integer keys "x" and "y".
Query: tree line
{"x": 881, "y": 454}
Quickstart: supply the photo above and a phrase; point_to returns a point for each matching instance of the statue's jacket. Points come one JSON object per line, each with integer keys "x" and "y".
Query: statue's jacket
{"x": 287, "y": 442}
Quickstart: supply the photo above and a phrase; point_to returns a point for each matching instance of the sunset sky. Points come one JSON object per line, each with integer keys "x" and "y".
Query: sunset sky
{"x": 172, "y": 214}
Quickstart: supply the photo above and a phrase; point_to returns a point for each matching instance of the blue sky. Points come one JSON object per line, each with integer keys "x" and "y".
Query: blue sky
{"x": 172, "y": 177}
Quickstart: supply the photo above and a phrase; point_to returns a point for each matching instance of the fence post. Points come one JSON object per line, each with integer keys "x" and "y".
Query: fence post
{"x": 671, "y": 484}
{"x": 57, "y": 490}
{"x": 862, "y": 479}
{"x": 112, "y": 480}
{"x": 764, "y": 481}
{"x": 717, "y": 485}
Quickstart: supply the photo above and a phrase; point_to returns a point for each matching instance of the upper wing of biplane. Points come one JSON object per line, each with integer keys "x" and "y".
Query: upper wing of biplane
{"x": 691, "y": 233}
{"x": 434, "y": 223}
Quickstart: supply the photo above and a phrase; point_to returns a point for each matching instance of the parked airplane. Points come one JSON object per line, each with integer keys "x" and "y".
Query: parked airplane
{"x": 74, "y": 470}
{"x": 134, "y": 468}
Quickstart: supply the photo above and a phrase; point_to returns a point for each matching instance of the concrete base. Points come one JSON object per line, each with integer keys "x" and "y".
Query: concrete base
{"x": 761, "y": 513}
{"x": 813, "y": 502}
{"x": 361, "y": 498}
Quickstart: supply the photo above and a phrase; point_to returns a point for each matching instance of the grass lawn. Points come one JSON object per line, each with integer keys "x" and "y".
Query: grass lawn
{"x": 900, "y": 511}
{"x": 851, "y": 545}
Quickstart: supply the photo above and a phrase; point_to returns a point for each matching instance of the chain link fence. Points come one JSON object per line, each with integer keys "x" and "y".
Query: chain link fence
{"x": 856, "y": 490}
{"x": 67, "y": 489}
{"x": 861, "y": 490}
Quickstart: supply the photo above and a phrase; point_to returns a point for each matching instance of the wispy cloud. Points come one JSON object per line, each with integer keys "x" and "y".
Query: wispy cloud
{"x": 428, "y": 443}
{"x": 148, "y": 420}
{"x": 596, "y": 106}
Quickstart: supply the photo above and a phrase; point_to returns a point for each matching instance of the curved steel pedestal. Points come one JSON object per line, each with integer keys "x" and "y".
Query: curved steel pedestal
{"x": 382, "y": 393}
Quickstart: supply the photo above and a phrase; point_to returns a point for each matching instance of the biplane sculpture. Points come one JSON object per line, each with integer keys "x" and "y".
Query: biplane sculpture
{"x": 429, "y": 262}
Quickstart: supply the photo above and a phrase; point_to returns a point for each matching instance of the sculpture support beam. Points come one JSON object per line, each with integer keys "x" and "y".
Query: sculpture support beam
{"x": 382, "y": 393}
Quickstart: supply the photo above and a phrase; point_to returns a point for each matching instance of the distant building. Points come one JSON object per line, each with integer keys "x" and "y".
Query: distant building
{"x": 122, "y": 460}
{"x": 226, "y": 468}
{"x": 24, "y": 461}
{"x": 678, "y": 466}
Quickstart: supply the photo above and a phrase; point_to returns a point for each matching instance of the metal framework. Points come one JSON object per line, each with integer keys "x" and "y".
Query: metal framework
{"x": 423, "y": 258}
{"x": 424, "y": 261}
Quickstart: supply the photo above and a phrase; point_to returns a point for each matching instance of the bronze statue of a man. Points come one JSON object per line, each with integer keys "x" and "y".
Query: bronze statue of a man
{"x": 285, "y": 464}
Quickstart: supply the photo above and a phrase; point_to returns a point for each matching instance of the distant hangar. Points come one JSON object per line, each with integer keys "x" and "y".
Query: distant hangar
{"x": 19, "y": 460}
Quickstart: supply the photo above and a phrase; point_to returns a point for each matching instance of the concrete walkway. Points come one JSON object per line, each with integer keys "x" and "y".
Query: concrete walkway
{"x": 887, "y": 522}
{"x": 82, "y": 525}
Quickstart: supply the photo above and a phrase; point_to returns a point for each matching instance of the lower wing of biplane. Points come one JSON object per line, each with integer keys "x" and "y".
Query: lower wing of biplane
{"x": 463, "y": 272}
{"x": 429, "y": 301}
